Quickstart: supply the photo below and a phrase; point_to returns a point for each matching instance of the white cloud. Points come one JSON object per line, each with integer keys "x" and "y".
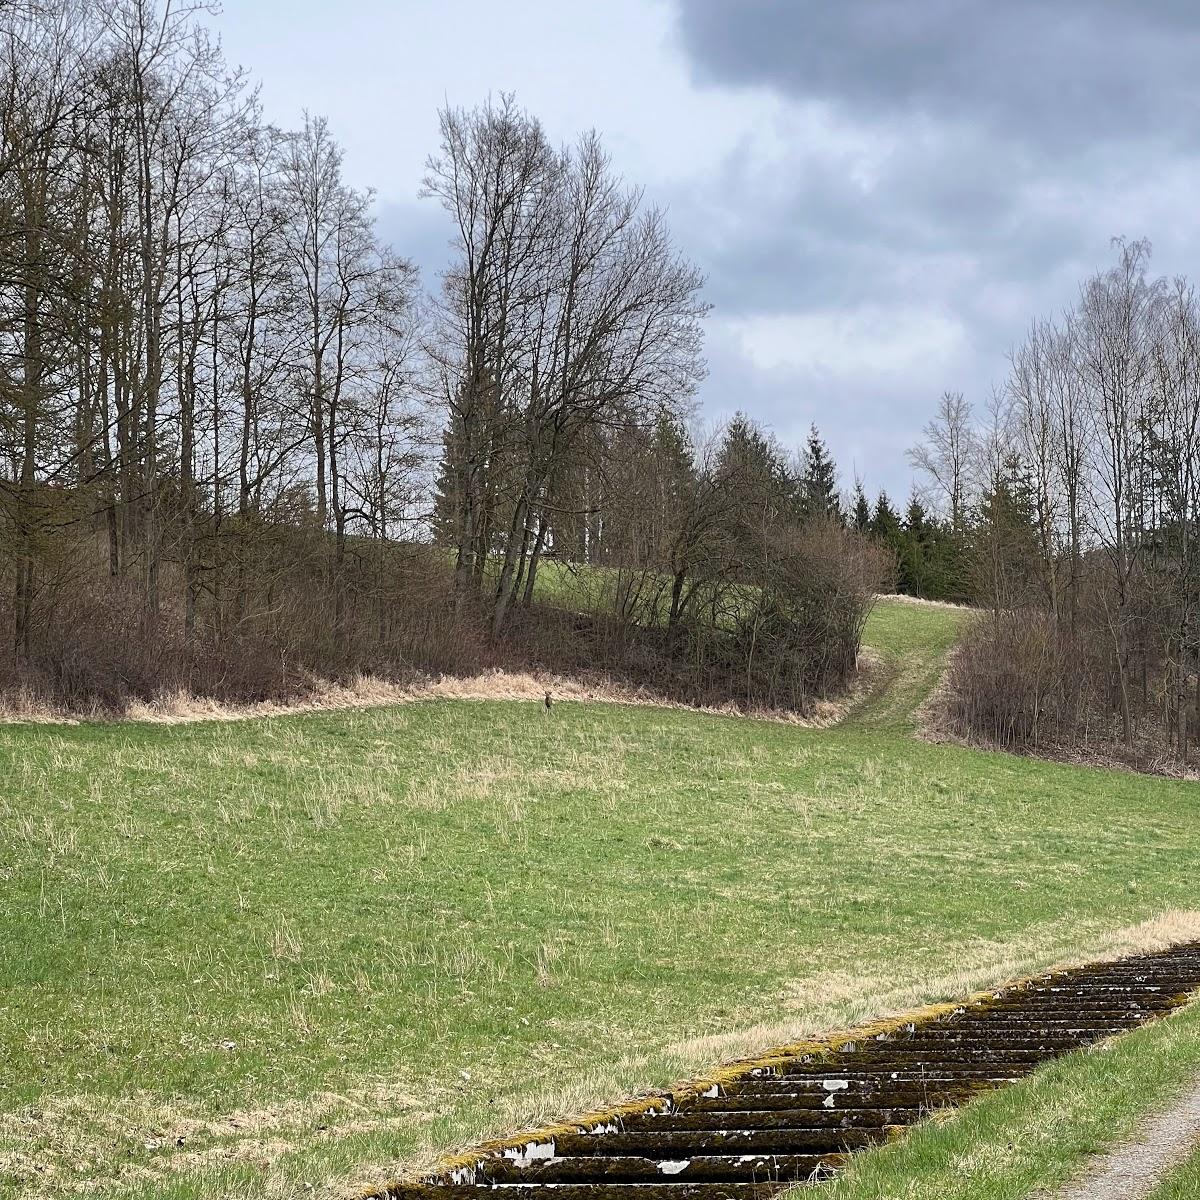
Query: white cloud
{"x": 869, "y": 340}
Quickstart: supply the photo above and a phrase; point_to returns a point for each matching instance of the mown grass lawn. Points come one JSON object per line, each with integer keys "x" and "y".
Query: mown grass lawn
{"x": 253, "y": 958}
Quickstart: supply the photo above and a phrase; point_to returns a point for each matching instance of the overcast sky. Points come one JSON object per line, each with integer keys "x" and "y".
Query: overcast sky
{"x": 881, "y": 192}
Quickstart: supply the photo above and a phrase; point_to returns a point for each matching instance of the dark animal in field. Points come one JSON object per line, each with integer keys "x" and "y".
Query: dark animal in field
{"x": 549, "y": 701}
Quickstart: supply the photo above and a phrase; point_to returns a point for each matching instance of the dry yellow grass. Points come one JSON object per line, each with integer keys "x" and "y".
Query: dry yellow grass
{"x": 21, "y": 706}
{"x": 845, "y": 997}
{"x": 921, "y": 602}
{"x": 365, "y": 691}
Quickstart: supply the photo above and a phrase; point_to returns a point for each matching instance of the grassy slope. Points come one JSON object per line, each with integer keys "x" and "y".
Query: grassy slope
{"x": 309, "y": 945}
{"x": 913, "y": 641}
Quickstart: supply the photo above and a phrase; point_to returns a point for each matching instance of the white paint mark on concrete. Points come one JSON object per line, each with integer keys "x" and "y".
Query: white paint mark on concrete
{"x": 531, "y": 1152}
{"x": 672, "y": 1166}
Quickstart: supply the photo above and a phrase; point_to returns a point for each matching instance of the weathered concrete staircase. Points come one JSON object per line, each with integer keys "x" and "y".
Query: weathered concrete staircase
{"x": 795, "y": 1115}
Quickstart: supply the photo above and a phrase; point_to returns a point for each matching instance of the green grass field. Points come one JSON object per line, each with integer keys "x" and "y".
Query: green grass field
{"x": 283, "y": 956}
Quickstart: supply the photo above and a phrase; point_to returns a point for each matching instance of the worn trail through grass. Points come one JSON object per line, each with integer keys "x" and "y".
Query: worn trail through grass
{"x": 913, "y": 640}
{"x": 294, "y": 955}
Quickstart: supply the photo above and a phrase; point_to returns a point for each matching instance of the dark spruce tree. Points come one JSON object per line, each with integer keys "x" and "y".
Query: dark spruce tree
{"x": 447, "y": 509}
{"x": 818, "y": 480}
{"x": 1004, "y": 548}
{"x": 861, "y": 514}
{"x": 751, "y": 466}
{"x": 884, "y": 521}
{"x": 913, "y": 549}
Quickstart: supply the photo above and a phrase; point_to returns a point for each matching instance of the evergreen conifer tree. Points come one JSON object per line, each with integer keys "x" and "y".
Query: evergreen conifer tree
{"x": 818, "y": 480}
{"x": 861, "y": 507}
{"x": 884, "y": 521}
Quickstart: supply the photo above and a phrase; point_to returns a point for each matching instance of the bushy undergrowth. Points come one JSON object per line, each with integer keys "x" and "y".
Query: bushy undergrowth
{"x": 778, "y": 644}
{"x": 282, "y": 617}
{"x": 1023, "y": 681}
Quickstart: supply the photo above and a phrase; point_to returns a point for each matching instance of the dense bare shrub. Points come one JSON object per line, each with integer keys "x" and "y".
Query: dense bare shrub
{"x": 1024, "y": 681}
{"x": 1005, "y": 683}
{"x": 800, "y": 634}
{"x": 96, "y": 647}
{"x": 780, "y": 643}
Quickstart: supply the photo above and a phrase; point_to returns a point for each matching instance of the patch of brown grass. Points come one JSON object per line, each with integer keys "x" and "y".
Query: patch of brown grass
{"x": 365, "y": 691}
{"x": 900, "y": 598}
{"x": 22, "y": 705}
{"x": 855, "y": 999}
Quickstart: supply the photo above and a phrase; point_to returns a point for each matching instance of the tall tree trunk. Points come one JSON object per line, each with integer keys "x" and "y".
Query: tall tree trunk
{"x": 514, "y": 555}
{"x": 31, "y": 403}
{"x": 535, "y": 559}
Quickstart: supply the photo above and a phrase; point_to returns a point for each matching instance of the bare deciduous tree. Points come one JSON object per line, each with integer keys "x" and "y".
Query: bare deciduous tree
{"x": 1104, "y": 481}
{"x": 568, "y": 312}
{"x": 946, "y": 456}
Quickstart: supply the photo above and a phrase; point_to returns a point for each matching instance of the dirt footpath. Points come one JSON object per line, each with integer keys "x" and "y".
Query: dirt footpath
{"x": 1132, "y": 1170}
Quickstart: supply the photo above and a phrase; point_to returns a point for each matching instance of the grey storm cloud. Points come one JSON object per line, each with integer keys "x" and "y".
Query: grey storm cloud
{"x": 1021, "y": 137}
{"x": 814, "y": 235}
{"x": 952, "y": 165}
{"x": 1003, "y": 118}
{"x": 1051, "y": 74}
